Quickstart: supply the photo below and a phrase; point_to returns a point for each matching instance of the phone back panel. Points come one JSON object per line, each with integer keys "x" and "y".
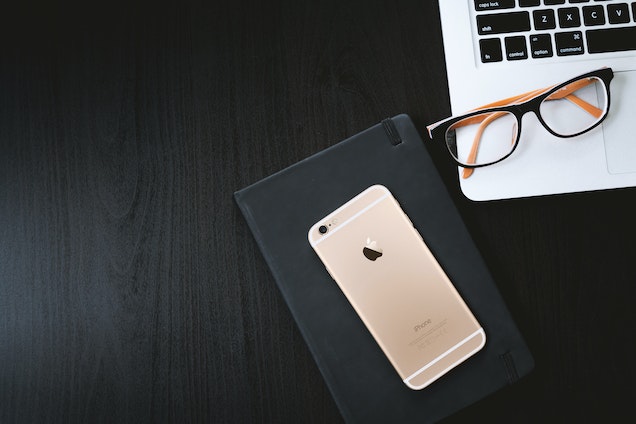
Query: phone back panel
{"x": 396, "y": 286}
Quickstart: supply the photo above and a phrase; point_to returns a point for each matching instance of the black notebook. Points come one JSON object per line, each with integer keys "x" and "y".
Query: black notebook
{"x": 281, "y": 208}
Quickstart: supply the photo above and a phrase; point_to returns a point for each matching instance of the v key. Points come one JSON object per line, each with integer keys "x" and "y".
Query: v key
{"x": 618, "y": 13}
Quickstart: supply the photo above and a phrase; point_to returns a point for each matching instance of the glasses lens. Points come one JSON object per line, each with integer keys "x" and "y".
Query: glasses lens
{"x": 576, "y": 107}
{"x": 482, "y": 139}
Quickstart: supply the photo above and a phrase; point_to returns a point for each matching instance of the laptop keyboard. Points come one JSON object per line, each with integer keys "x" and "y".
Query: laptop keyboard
{"x": 511, "y": 30}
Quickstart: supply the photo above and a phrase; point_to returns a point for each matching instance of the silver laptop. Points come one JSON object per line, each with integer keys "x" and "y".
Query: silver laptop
{"x": 501, "y": 48}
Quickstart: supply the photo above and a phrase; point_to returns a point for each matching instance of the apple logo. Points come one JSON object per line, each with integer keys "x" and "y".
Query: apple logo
{"x": 371, "y": 250}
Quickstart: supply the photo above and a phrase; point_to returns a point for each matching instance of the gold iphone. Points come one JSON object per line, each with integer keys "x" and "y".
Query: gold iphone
{"x": 392, "y": 280}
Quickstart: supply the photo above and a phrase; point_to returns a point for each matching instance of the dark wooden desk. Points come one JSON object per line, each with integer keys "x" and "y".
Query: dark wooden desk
{"x": 130, "y": 287}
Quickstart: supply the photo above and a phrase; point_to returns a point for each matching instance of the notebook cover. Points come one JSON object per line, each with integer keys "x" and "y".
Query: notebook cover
{"x": 281, "y": 208}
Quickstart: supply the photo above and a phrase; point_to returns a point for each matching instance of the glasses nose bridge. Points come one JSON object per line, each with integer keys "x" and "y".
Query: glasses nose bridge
{"x": 531, "y": 105}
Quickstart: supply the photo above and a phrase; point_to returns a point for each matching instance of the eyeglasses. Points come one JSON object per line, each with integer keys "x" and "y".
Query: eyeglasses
{"x": 490, "y": 133}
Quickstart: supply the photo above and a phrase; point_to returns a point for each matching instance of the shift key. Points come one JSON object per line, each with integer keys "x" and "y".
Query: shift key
{"x": 501, "y": 23}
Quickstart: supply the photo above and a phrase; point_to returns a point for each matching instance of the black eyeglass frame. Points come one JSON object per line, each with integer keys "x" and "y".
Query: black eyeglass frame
{"x": 438, "y": 130}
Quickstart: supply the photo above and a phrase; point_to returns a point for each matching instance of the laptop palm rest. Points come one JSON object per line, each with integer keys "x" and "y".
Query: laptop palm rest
{"x": 618, "y": 128}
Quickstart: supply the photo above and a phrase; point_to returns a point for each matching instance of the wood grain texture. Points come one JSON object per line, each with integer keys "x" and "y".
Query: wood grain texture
{"x": 130, "y": 287}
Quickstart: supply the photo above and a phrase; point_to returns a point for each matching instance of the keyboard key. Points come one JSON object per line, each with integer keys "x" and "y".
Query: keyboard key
{"x": 501, "y": 23}
{"x": 529, "y": 3}
{"x": 569, "y": 17}
{"x": 593, "y": 15}
{"x": 569, "y": 43}
{"x": 490, "y": 50}
{"x": 516, "y": 48}
{"x": 618, "y": 13}
{"x": 634, "y": 11}
{"x": 551, "y": 2}
{"x": 541, "y": 46}
{"x": 492, "y": 5}
{"x": 611, "y": 39}
{"x": 544, "y": 19}
{"x": 579, "y": 1}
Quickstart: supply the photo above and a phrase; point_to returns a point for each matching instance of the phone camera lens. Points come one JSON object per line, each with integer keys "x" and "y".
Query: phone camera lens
{"x": 322, "y": 229}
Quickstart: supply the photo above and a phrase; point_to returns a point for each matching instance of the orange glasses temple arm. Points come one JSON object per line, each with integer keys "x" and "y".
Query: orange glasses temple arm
{"x": 566, "y": 93}
{"x": 485, "y": 121}
{"x": 472, "y": 155}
